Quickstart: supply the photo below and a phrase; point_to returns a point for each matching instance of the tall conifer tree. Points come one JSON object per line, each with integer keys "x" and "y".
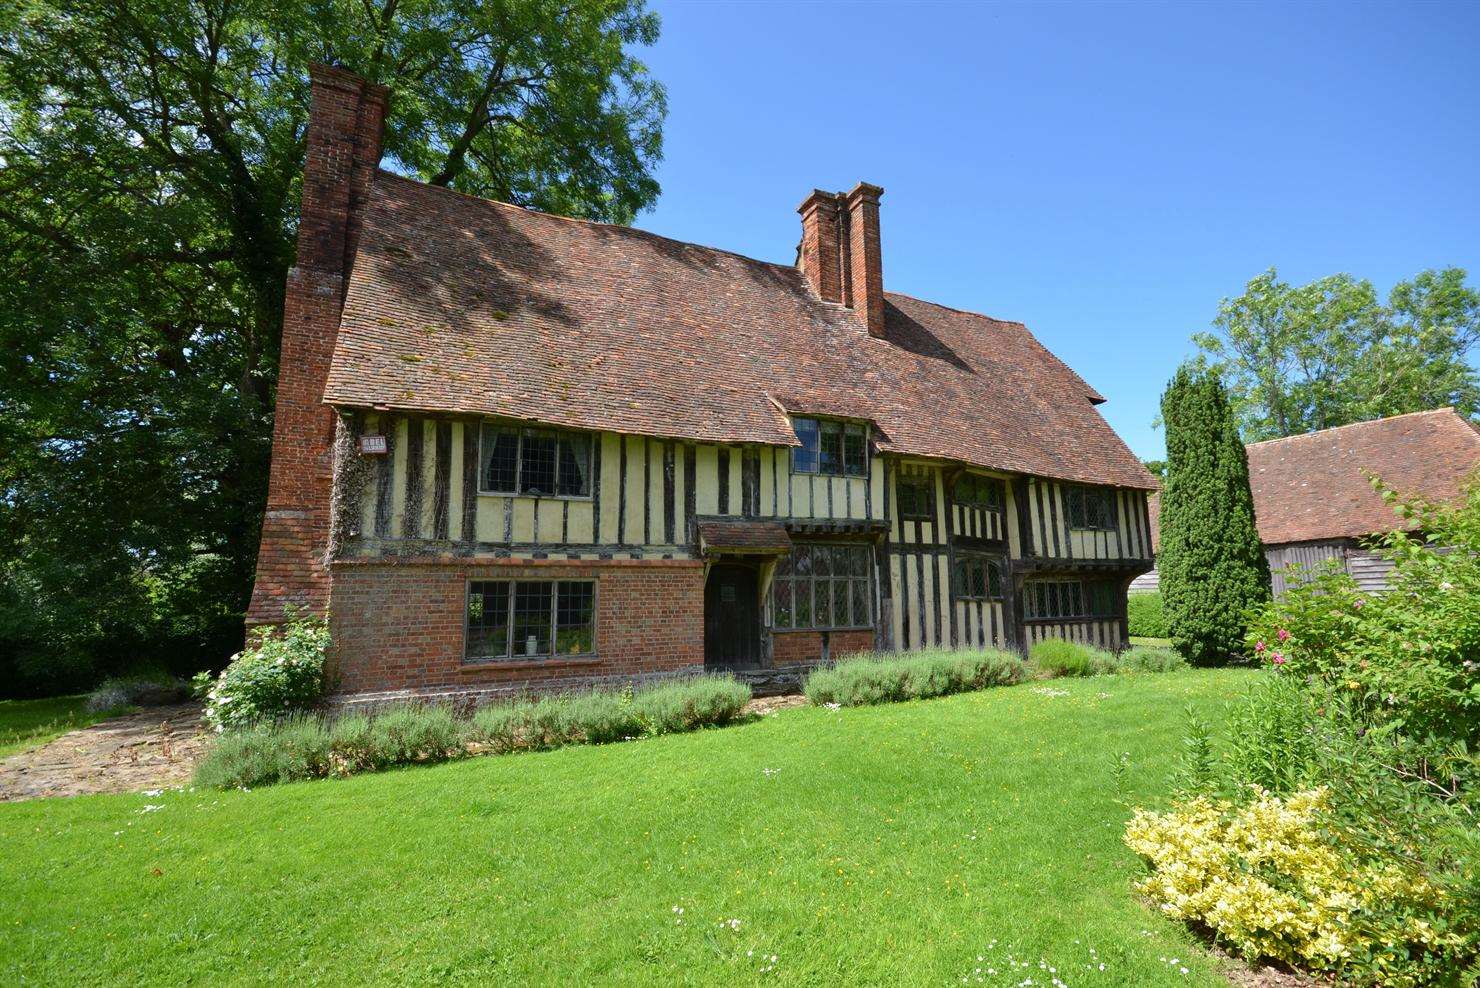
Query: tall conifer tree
{"x": 1212, "y": 565}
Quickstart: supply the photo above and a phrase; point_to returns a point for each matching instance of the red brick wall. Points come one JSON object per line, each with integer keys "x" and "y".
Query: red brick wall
{"x": 803, "y": 647}
{"x": 865, "y": 261}
{"x": 344, "y": 139}
{"x": 399, "y": 625}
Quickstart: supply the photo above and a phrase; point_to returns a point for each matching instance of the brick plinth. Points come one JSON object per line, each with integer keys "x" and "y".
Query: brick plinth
{"x": 399, "y": 626}
{"x": 807, "y": 647}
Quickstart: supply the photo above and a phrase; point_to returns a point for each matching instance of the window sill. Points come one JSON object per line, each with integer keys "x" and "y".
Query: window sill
{"x": 801, "y": 631}
{"x": 537, "y": 497}
{"x": 487, "y": 665}
{"x": 1078, "y": 528}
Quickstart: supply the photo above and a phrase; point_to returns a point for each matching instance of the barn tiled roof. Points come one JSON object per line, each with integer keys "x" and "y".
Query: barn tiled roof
{"x": 1312, "y": 486}
{"x": 458, "y": 304}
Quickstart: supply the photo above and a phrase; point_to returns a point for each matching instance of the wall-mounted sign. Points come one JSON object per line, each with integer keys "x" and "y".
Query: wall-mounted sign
{"x": 373, "y": 445}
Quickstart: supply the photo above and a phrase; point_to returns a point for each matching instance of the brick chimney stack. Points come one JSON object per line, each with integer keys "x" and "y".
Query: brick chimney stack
{"x": 821, "y": 253}
{"x": 346, "y": 123}
{"x": 840, "y": 253}
{"x": 865, "y": 262}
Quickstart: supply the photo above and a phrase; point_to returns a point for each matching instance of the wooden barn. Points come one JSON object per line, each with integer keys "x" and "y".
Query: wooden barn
{"x": 1314, "y": 505}
{"x": 519, "y": 451}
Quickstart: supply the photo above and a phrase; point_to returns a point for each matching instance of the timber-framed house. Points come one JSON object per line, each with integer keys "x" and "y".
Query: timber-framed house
{"x": 518, "y": 451}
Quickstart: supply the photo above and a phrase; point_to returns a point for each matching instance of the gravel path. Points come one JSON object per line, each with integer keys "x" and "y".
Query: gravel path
{"x": 152, "y": 749}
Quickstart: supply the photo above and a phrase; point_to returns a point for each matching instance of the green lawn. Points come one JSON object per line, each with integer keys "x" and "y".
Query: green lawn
{"x": 885, "y": 845}
{"x": 1155, "y": 642}
{"x": 29, "y": 723}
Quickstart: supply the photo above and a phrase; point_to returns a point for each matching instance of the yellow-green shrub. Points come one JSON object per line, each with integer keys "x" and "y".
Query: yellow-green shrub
{"x": 1273, "y": 879}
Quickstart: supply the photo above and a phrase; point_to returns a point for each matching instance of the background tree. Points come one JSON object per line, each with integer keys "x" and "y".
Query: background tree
{"x": 150, "y": 159}
{"x": 1298, "y": 358}
{"x": 1212, "y": 567}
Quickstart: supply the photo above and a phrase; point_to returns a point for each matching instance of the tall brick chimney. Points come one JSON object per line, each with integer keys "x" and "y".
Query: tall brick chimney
{"x": 820, "y": 255}
{"x": 865, "y": 262}
{"x": 346, "y": 122}
{"x": 840, "y": 254}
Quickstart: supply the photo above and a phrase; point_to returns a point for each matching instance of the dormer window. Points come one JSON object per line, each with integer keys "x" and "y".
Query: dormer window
{"x": 830, "y": 447}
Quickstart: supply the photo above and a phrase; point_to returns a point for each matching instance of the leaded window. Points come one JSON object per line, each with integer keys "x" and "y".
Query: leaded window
{"x": 536, "y": 462}
{"x": 823, "y": 585}
{"x": 976, "y": 491}
{"x": 530, "y": 619}
{"x": 1069, "y": 598}
{"x": 915, "y": 494}
{"x": 830, "y": 447}
{"x": 1090, "y": 507}
{"x": 978, "y": 576}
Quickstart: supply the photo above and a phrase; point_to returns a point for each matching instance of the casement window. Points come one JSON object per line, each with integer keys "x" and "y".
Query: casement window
{"x": 830, "y": 447}
{"x": 537, "y": 462}
{"x": 976, "y": 491}
{"x": 1069, "y": 599}
{"x": 978, "y": 576}
{"x": 1090, "y": 507}
{"x": 915, "y": 496}
{"x": 824, "y": 585}
{"x": 530, "y": 619}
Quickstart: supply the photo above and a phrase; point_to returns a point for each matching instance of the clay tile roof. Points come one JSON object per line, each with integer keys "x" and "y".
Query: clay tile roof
{"x": 457, "y": 304}
{"x": 752, "y": 536}
{"x": 1312, "y": 486}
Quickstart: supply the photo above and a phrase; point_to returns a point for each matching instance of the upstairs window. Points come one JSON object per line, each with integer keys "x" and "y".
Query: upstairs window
{"x": 830, "y": 447}
{"x": 1069, "y": 599}
{"x": 978, "y": 576}
{"x": 1090, "y": 507}
{"x": 537, "y": 462}
{"x": 976, "y": 491}
{"x": 916, "y": 496}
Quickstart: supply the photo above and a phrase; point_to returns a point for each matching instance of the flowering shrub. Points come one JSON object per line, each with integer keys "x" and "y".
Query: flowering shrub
{"x": 280, "y": 671}
{"x": 1272, "y": 879}
{"x": 1410, "y": 656}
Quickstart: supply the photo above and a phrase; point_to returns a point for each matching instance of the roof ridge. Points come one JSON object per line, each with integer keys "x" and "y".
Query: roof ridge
{"x": 953, "y": 308}
{"x": 381, "y": 172}
{"x": 1353, "y": 425}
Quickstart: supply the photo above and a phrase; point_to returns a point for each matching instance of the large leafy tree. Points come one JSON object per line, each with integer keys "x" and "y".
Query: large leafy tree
{"x": 150, "y": 157}
{"x": 1301, "y": 357}
{"x": 1212, "y": 566}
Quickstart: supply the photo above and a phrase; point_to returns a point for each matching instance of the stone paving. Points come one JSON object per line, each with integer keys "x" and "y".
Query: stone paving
{"x": 152, "y": 749}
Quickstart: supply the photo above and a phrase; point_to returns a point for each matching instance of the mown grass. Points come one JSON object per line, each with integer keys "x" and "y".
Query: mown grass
{"x": 28, "y": 724}
{"x": 873, "y": 845}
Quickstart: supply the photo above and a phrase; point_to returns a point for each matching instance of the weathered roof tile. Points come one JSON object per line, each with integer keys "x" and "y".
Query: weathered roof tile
{"x": 458, "y": 304}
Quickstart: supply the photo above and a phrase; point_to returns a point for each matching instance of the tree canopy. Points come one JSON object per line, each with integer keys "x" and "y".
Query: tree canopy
{"x": 1296, "y": 358}
{"x": 151, "y": 153}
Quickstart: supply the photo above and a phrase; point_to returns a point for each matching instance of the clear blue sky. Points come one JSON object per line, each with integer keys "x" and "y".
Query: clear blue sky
{"x": 1103, "y": 172}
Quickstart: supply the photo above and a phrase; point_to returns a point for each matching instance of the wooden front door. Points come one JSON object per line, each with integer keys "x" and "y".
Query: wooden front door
{"x": 732, "y": 618}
